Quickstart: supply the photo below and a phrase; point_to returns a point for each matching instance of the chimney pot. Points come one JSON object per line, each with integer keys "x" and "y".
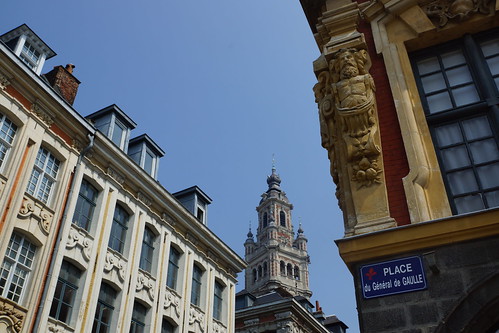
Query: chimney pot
{"x": 70, "y": 67}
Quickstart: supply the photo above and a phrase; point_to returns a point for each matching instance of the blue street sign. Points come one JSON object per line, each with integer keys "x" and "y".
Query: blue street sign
{"x": 393, "y": 277}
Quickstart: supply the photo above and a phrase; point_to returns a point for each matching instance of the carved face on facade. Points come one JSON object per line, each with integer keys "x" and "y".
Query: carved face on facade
{"x": 348, "y": 65}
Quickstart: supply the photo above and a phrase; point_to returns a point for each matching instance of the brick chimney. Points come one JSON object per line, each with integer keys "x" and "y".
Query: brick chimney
{"x": 63, "y": 81}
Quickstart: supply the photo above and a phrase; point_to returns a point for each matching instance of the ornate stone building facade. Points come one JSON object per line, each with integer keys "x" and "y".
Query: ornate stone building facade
{"x": 89, "y": 240}
{"x": 407, "y": 97}
{"x": 276, "y": 295}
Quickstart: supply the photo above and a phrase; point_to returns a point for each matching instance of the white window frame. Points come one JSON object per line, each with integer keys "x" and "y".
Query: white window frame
{"x": 7, "y": 133}
{"x": 43, "y": 176}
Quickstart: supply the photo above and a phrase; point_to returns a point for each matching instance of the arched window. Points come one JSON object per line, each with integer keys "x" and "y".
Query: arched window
{"x": 254, "y": 275}
{"x": 265, "y": 269}
{"x": 265, "y": 220}
{"x": 283, "y": 268}
{"x": 282, "y": 218}
{"x": 297, "y": 273}
{"x": 290, "y": 270}
{"x": 260, "y": 272}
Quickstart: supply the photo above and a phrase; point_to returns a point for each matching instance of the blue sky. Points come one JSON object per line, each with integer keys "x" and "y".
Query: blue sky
{"x": 221, "y": 86}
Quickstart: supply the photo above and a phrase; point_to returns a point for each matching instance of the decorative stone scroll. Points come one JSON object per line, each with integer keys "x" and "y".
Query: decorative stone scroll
{"x": 459, "y": 10}
{"x": 79, "y": 239}
{"x": 116, "y": 175}
{"x": 115, "y": 262}
{"x": 43, "y": 114}
{"x": 30, "y": 210}
{"x": 4, "y": 81}
{"x": 172, "y": 300}
{"x": 217, "y": 327}
{"x": 196, "y": 318}
{"x": 11, "y": 318}
{"x": 145, "y": 283}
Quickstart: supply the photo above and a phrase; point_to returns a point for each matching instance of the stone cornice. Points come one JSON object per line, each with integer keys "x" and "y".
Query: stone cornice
{"x": 414, "y": 237}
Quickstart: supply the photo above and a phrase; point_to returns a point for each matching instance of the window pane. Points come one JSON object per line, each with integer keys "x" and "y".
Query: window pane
{"x": 490, "y": 47}
{"x": 489, "y": 175}
{"x": 469, "y": 203}
{"x": 484, "y": 151}
{"x": 462, "y": 182}
{"x": 455, "y": 157}
{"x": 493, "y": 65}
{"x": 465, "y": 95}
{"x": 459, "y": 75}
{"x": 448, "y": 134}
{"x": 433, "y": 83}
{"x": 428, "y": 65}
{"x": 492, "y": 198}
{"x": 453, "y": 58}
{"x": 439, "y": 102}
{"x": 117, "y": 134}
{"x": 476, "y": 128}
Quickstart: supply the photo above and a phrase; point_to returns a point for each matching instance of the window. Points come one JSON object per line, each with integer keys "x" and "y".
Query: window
{"x": 29, "y": 55}
{"x": 197, "y": 275}
{"x": 85, "y": 205}
{"x": 65, "y": 292}
{"x": 255, "y": 277}
{"x": 218, "y": 301}
{"x": 167, "y": 327}
{"x": 265, "y": 220}
{"x": 172, "y": 275}
{"x": 119, "y": 229}
{"x": 118, "y": 133}
{"x": 105, "y": 309}
{"x": 458, "y": 84}
{"x": 138, "y": 318}
{"x": 146, "y": 255}
{"x": 297, "y": 273}
{"x": 265, "y": 269}
{"x": 43, "y": 175}
{"x": 16, "y": 267}
{"x": 290, "y": 270}
{"x": 283, "y": 268}
{"x": 282, "y": 218}
{"x": 7, "y": 132}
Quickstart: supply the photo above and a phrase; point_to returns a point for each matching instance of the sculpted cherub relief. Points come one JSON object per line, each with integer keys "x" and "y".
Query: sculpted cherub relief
{"x": 346, "y": 98}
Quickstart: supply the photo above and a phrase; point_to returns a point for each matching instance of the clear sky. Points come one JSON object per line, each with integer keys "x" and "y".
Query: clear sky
{"x": 220, "y": 85}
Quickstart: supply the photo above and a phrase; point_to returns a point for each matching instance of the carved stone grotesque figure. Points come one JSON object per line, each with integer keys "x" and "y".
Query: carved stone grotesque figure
{"x": 353, "y": 92}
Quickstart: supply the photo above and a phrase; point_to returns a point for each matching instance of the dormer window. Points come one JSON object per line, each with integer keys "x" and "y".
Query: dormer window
{"x": 30, "y": 55}
{"x": 196, "y": 202}
{"x": 114, "y": 124}
{"x": 28, "y": 47}
{"x": 146, "y": 153}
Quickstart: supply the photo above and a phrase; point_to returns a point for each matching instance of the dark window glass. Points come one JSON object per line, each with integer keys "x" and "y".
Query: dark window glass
{"x": 458, "y": 83}
{"x": 146, "y": 255}
{"x": 171, "y": 279}
{"x": 138, "y": 318}
{"x": 265, "y": 220}
{"x": 65, "y": 293}
{"x": 218, "y": 301}
{"x": 167, "y": 327}
{"x": 119, "y": 229}
{"x": 282, "y": 218}
{"x": 104, "y": 310}
{"x": 85, "y": 205}
{"x": 197, "y": 275}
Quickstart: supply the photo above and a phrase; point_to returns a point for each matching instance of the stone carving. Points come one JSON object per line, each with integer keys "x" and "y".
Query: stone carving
{"x": 13, "y": 315}
{"x": 288, "y": 326}
{"x": 196, "y": 317}
{"x": 218, "y": 327}
{"x": 55, "y": 327}
{"x": 460, "y": 10}
{"x": 114, "y": 261}
{"x": 193, "y": 239}
{"x": 29, "y": 209}
{"x": 168, "y": 218}
{"x": 354, "y": 106}
{"x": 144, "y": 281}
{"x": 78, "y": 238}
{"x": 145, "y": 199}
{"x": 4, "y": 81}
{"x": 42, "y": 114}
{"x": 251, "y": 322}
{"x": 172, "y": 300}
{"x": 115, "y": 175}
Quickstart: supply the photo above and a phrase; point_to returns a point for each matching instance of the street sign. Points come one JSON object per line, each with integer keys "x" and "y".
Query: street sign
{"x": 393, "y": 277}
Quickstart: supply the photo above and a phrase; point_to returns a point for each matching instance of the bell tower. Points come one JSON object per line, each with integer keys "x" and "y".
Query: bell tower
{"x": 277, "y": 259}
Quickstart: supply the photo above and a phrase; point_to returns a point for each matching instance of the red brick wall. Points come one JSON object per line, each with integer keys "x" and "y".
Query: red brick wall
{"x": 394, "y": 155}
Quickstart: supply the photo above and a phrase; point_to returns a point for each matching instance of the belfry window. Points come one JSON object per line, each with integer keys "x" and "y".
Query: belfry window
{"x": 282, "y": 218}
{"x": 265, "y": 220}
{"x": 458, "y": 84}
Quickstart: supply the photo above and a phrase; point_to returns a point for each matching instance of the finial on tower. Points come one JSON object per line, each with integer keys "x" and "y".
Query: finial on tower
{"x": 250, "y": 234}
{"x": 273, "y": 163}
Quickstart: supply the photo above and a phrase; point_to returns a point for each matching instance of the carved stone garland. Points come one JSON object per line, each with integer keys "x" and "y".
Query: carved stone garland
{"x": 29, "y": 209}
{"x": 144, "y": 281}
{"x": 460, "y": 10}
{"x": 79, "y": 239}
{"x": 113, "y": 261}
{"x": 13, "y": 315}
{"x": 172, "y": 300}
{"x": 196, "y": 317}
